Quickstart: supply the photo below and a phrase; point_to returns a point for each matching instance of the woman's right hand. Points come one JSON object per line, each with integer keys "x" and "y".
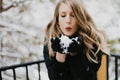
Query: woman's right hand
{"x": 55, "y": 44}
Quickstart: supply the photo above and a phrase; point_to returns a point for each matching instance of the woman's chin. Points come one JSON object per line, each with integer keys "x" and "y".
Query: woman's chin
{"x": 68, "y": 34}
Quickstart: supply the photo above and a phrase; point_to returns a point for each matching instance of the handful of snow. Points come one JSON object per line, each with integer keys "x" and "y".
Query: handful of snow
{"x": 65, "y": 42}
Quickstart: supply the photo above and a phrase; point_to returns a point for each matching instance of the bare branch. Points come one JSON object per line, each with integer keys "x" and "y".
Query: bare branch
{"x": 1, "y": 5}
{"x": 14, "y": 4}
{"x": 4, "y": 9}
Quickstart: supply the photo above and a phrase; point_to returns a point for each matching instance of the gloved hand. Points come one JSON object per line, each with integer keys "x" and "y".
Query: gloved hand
{"x": 55, "y": 44}
{"x": 75, "y": 45}
{"x": 61, "y": 44}
{"x": 64, "y": 44}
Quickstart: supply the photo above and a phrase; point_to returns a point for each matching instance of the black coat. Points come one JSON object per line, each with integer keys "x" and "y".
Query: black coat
{"x": 74, "y": 68}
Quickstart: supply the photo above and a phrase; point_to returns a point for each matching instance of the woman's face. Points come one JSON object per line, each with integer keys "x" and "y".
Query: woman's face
{"x": 67, "y": 21}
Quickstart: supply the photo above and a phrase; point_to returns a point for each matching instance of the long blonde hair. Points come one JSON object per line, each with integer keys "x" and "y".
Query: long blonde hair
{"x": 87, "y": 29}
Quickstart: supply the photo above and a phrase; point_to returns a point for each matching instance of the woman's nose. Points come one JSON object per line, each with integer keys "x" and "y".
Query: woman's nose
{"x": 68, "y": 20}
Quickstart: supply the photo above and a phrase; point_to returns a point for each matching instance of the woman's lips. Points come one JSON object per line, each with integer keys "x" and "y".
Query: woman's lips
{"x": 68, "y": 29}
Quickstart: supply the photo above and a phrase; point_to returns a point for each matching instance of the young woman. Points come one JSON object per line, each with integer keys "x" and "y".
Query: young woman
{"x": 73, "y": 45}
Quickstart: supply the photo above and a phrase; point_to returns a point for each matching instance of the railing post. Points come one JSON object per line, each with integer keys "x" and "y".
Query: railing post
{"x": 14, "y": 73}
{"x": 25, "y": 65}
{"x": 27, "y": 75}
{"x": 116, "y": 68}
{"x": 39, "y": 71}
{"x": 0, "y": 75}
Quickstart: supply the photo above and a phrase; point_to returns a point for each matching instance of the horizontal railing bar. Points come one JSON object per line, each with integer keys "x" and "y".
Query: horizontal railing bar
{"x": 21, "y": 65}
{"x": 115, "y": 55}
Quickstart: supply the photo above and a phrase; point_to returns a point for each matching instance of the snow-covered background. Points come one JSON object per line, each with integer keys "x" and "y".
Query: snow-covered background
{"x": 22, "y": 30}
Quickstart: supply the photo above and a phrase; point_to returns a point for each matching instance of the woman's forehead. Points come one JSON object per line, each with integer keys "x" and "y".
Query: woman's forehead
{"x": 65, "y": 8}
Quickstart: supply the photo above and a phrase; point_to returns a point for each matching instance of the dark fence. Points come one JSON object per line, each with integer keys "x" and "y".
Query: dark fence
{"x": 14, "y": 67}
{"x": 116, "y": 58}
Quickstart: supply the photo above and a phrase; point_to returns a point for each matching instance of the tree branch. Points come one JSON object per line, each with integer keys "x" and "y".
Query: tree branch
{"x": 1, "y": 5}
{"x": 14, "y": 4}
{"x": 4, "y": 9}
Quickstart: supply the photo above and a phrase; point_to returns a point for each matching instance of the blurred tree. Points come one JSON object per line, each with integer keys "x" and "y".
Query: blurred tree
{"x": 53, "y": 1}
{"x": 5, "y": 9}
{"x": 14, "y": 4}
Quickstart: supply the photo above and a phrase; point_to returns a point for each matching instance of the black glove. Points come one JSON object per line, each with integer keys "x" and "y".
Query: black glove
{"x": 55, "y": 44}
{"x": 65, "y": 44}
{"x": 75, "y": 45}
{"x": 61, "y": 44}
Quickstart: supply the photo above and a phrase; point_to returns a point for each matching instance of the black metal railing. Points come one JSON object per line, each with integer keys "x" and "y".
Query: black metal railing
{"x": 14, "y": 67}
{"x": 116, "y": 57}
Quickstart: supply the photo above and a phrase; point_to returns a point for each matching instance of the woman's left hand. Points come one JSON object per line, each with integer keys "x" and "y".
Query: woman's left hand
{"x": 75, "y": 45}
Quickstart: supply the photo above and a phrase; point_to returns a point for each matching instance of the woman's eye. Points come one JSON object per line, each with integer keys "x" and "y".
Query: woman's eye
{"x": 72, "y": 16}
{"x": 62, "y": 15}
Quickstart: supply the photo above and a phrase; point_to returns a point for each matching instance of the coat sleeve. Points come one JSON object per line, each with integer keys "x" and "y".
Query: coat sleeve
{"x": 56, "y": 70}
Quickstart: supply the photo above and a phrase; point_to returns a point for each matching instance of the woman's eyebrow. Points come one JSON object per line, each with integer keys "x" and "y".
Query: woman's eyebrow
{"x": 63, "y": 12}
